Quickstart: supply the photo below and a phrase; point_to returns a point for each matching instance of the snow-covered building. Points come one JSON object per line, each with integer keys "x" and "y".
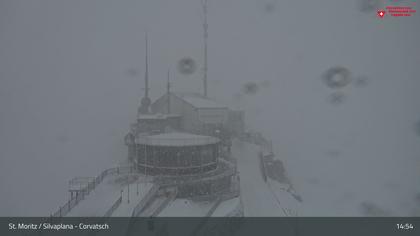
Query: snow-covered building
{"x": 176, "y": 153}
{"x": 180, "y": 163}
{"x": 157, "y": 123}
{"x": 198, "y": 113}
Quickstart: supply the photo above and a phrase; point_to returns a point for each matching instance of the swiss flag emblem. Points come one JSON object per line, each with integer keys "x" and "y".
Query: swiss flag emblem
{"x": 381, "y": 13}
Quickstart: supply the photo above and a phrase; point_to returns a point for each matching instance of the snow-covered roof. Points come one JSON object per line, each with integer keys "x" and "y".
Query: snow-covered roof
{"x": 157, "y": 116}
{"x": 176, "y": 139}
{"x": 199, "y": 101}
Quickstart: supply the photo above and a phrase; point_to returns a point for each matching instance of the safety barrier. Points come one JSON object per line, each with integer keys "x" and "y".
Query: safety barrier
{"x": 142, "y": 203}
{"x": 262, "y": 166}
{"x": 63, "y": 210}
{"x": 172, "y": 195}
{"x": 66, "y": 208}
{"x": 113, "y": 207}
{"x": 214, "y": 207}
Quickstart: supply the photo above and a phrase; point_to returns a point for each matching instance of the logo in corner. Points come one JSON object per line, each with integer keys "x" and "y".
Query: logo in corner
{"x": 381, "y": 13}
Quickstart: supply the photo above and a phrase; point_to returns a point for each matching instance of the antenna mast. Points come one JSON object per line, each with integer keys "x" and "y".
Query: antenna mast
{"x": 145, "y": 101}
{"x": 168, "y": 91}
{"x": 205, "y": 27}
{"x": 146, "y": 76}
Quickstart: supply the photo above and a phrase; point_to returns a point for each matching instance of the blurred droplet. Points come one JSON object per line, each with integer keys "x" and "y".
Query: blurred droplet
{"x": 186, "y": 66}
{"x": 62, "y": 138}
{"x": 270, "y": 7}
{"x": 361, "y": 81}
{"x": 333, "y": 154}
{"x": 417, "y": 128}
{"x": 369, "y": 5}
{"x": 314, "y": 181}
{"x": 237, "y": 96}
{"x": 337, "y": 98}
{"x": 132, "y": 72}
{"x": 391, "y": 185}
{"x": 265, "y": 84}
{"x": 250, "y": 88}
{"x": 337, "y": 77}
{"x": 417, "y": 197}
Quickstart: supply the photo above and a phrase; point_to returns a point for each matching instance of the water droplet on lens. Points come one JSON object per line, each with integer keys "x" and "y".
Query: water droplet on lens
{"x": 361, "y": 81}
{"x": 337, "y": 98}
{"x": 417, "y": 128}
{"x": 337, "y": 77}
{"x": 250, "y": 88}
{"x": 186, "y": 66}
{"x": 369, "y": 5}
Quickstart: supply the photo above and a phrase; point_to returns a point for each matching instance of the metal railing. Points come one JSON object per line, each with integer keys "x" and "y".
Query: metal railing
{"x": 262, "y": 167}
{"x": 142, "y": 203}
{"x": 172, "y": 195}
{"x": 177, "y": 141}
{"x": 214, "y": 207}
{"x": 66, "y": 208}
{"x": 113, "y": 207}
{"x": 70, "y": 204}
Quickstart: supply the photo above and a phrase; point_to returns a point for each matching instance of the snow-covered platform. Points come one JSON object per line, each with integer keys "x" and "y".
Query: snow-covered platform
{"x": 121, "y": 194}
{"x": 230, "y": 207}
{"x": 186, "y": 207}
{"x": 259, "y": 198}
{"x": 113, "y": 188}
{"x": 128, "y": 194}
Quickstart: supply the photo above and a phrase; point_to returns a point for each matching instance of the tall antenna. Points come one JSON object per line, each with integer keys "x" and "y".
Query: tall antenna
{"x": 205, "y": 27}
{"x": 145, "y": 101}
{"x": 146, "y": 76}
{"x": 168, "y": 91}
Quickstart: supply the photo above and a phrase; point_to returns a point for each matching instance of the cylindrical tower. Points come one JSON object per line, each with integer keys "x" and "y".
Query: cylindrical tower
{"x": 177, "y": 154}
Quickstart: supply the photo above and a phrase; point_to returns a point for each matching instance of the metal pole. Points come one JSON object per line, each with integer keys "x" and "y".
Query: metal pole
{"x": 135, "y": 146}
{"x": 146, "y": 164}
{"x": 205, "y": 27}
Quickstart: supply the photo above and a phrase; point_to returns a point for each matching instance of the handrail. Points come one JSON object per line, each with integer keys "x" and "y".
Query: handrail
{"x": 142, "y": 203}
{"x": 113, "y": 207}
{"x": 214, "y": 207}
{"x": 66, "y": 208}
{"x": 171, "y": 197}
{"x": 262, "y": 167}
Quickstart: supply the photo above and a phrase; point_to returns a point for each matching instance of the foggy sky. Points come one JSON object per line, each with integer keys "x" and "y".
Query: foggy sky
{"x": 67, "y": 96}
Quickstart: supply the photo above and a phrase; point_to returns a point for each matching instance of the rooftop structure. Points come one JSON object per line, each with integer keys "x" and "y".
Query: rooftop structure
{"x": 157, "y": 116}
{"x": 198, "y": 101}
{"x": 176, "y": 139}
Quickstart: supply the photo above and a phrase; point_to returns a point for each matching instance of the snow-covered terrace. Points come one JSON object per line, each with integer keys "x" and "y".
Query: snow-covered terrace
{"x": 260, "y": 198}
{"x": 100, "y": 200}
